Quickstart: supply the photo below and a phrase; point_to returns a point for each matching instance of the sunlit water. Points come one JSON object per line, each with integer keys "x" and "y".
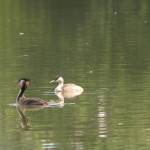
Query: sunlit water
{"x": 102, "y": 46}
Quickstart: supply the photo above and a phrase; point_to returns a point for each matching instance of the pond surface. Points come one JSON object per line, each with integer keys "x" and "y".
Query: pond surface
{"x": 103, "y": 46}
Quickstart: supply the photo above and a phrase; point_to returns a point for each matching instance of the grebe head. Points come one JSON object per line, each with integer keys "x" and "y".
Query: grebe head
{"x": 23, "y": 81}
{"x": 58, "y": 79}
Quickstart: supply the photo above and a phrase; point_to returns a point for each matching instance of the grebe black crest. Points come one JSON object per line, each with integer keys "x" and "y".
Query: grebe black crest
{"x": 70, "y": 87}
{"x": 24, "y": 83}
{"x": 57, "y": 77}
{"x": 25, "y": 79}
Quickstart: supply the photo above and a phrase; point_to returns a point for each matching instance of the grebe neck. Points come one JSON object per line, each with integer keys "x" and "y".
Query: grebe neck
{"x": 21, "y": 93}
{"x": 59, "y": 87}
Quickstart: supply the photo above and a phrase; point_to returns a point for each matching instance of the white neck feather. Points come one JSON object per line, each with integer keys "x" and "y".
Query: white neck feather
{"x": 59, "y": 87}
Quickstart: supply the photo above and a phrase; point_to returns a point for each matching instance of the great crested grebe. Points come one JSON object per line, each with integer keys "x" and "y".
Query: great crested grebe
{"x": 24, "y": 83}
{"x": 65, "y": 87}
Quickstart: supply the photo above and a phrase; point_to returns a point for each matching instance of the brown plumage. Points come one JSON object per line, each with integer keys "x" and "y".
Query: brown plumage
{"x": 21, "y": 100}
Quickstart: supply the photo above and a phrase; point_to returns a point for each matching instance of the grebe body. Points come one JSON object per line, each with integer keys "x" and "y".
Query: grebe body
{"x": 70, "y": 87}
{"x": 21, "y": 100}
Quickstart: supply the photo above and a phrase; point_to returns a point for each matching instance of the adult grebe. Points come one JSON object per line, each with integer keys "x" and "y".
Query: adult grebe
{"x": 65, "y": 87}
{"x": 24, "y": 83}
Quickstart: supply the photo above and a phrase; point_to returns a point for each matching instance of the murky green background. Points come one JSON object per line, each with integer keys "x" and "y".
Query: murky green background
{"x": 101, "y": 45}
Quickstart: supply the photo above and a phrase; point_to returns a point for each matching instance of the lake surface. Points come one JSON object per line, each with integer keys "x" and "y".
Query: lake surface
{"x": 103, "y": 46}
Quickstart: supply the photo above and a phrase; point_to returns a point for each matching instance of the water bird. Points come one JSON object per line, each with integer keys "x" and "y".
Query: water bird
{"x": 21, "y": 100}
{"x": 70, "y": 87}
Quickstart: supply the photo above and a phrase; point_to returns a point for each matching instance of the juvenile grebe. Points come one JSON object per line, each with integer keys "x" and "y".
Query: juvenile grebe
{"x": 65, "y": 87}
{"x": 24, "y": 83}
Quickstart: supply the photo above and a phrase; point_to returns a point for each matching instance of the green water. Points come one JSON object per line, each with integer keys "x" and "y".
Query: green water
{"x": 101, "y": 45}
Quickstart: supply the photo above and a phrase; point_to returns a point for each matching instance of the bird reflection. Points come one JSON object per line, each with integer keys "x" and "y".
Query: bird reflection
{"x": 59, "y": 103}
{"x": 68, "y": 94}
{"x": 61, "y": 96}
{"x": 21, "y": 110}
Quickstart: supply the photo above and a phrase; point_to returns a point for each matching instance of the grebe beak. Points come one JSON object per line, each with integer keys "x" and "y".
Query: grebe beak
{"x": 52, "y": 81}
{"x": 18, "y": 86}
